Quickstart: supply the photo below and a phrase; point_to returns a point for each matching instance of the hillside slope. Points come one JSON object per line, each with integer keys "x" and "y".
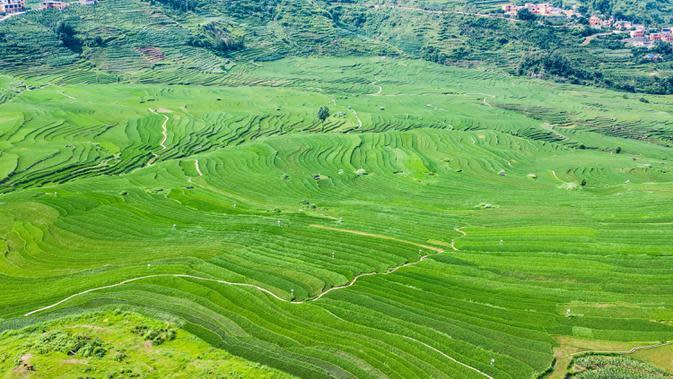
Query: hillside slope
{"x": 161, "y": 42}
{"x": 440, "y": 222}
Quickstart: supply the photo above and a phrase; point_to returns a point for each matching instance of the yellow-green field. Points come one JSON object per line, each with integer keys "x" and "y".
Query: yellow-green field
{"x": 58, "y": 349}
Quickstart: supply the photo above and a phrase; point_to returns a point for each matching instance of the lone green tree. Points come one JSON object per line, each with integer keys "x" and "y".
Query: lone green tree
{"x": 67, "y": 34}
{"x": 323, "y": 113}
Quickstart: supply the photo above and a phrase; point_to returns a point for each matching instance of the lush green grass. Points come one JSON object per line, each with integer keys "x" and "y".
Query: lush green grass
{"x": 613, "y": 367}
{"x": 492, "y": 163}
{"x": 59, "y": 349}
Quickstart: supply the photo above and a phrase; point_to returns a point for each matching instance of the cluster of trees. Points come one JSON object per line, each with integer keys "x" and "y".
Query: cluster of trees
{"x": 71, "y": 39}
{"x": 656, "y": 85}
{"x": 178, "y": 5}
{"x": 663, "y": 48}
{"x": 354, "y": 17}
{"x": 433, "y": 54}
{"x": 74, "y": 345}
{"x": 68, "y": 36}
{"x": 557, "y": 66}
{"x": 526, "y": 15}
{"x": 218, "y": 39}
{"x": 262, "y": 9}
{"x": 642, "y": 11}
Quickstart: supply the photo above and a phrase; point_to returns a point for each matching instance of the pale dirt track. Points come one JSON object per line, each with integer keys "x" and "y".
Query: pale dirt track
{"x": 197, "y": 167}
{"x": 357, "y": 118}
{"x": 164, "y": 129}
{"x": 378, "y": 92}
{"x": 164, "y": 134}
{"x": 435, "y": 251}
{"x": 590, "y": 38}
{"x": 379, "y": 236}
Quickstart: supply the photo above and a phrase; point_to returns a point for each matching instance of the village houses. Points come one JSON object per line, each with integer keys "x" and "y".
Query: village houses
{"x": 542, "y": 9}
{"x": 599, "y": 23}
{"x": 642, "y": 38}
{"x": 639, "y": 35}
{"x": 54, "y": 4}
{"x": 12, "y": 6}
{"x": 623, "y": 25}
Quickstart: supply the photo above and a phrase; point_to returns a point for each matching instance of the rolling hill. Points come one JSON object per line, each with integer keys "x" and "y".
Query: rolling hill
{"x": 173, "y": 204}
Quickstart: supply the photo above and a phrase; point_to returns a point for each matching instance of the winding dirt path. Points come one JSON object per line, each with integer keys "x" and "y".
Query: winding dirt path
{"x": 551, "y": 129}
{"x": 378, "y": 92}
{"x": 164, "y": 129}
{"x": 435, "y": 251}
{"x": 236, "y": 284}
{"x": 487, "y": 103}
{"x": 449, "y": 357}
{"x": 127, "y": 281}
{"x": 197, "y": 167}
{"x": 68, "y": 96}
{"x": 453, "y": 241}
{"x": 630, "y": 351}
{"x": 379, "y": 236}
{"x": 164, "y": 133}
{"x": 357, "y": 118}
{"x": 592, "y": 37}
{"x": 10, "y": 15}
{"x": 356, "y": 277}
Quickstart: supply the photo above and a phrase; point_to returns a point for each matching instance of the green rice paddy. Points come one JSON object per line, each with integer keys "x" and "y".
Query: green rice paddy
{"x": 442, "y": 222}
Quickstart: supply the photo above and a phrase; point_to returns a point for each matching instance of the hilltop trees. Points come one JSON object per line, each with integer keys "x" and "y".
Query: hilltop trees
{"x": 218, "y": 38}
{"x": 433, "y": 54}
{"x": 179, "y": 5}
{"x": 526, "y": 15}
{"x": 663, "y": 48}
{"x": 323, "y": 113}
{"x": 66, "y": 33}
{"x": 555, "y": 65}
{"x": 644, "y": 11}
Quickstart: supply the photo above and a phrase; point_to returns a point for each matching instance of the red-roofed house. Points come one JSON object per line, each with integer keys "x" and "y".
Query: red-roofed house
{"x": 53, "y": 4}
{"x": 637, "y": 33}
{"x": 656, "y": 36}
{"x": 595, "y": 21}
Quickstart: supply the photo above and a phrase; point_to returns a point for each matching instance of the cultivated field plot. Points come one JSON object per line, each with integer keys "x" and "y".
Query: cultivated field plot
{"x": 441, "y": 222}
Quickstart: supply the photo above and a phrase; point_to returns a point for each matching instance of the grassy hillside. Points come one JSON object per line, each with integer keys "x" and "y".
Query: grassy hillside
{"x": 162, "y": 42}
{"x": 117, "y": 345}
{"x": 441, "y": 222}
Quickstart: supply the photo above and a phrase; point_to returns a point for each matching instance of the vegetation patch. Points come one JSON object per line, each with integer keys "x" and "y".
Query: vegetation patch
{"x": 613, "y": 367}
{"x": 110, "y": 344}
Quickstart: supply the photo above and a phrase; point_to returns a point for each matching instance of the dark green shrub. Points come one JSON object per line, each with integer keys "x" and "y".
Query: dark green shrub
{"x": 156, "y": 335}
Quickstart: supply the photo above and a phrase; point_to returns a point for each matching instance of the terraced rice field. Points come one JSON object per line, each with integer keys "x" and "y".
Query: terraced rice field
{"x": 442, "y": 222}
